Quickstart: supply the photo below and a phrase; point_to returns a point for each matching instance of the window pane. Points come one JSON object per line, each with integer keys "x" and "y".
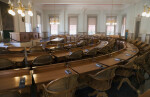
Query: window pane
{"x": 73, "y": 25}
{"x": 91, "y": 25}
{"x": 73, "y": 29}
{"x": 27, "y": 22}
{"x": 39, "y": 23}
{"x": 91, "y": 29}
{"x": 54, "y": 29}
{"x": 110, "y": 30}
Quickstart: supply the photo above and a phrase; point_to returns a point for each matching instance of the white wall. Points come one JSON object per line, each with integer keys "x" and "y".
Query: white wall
{"x": 82, "y": 19}
{"x": 20, "y": 25}
{"x": 132, "y": 13}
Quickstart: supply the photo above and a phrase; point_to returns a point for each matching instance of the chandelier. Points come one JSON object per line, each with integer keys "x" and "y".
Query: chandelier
{"x": 54, "y": 20}
{"x": 20, "y": 9}
{"x": 112, "y": 20}
{"x": 146, "y": 12}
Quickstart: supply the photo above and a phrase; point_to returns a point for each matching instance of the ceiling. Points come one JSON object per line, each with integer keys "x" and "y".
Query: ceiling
{"x": 97, "y": 4}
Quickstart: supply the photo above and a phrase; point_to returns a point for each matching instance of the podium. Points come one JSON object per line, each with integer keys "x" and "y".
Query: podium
{"x": 23, "y": 36}
{"x": 24, "y": 39}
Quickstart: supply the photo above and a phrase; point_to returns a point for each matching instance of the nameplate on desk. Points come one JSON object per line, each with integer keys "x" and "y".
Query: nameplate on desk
{"x": 99, "y": 65}
{"x": 86, "y": 50}
{"x": 133, "y": 51}
{"x": 117, "y": 59}
{"x": 128, "y": 54}
{"x": 70, "y": 53}
{"x": 22, "y": 82}
{"x": 70, "y": 44}
{"x": 68, "y": 72}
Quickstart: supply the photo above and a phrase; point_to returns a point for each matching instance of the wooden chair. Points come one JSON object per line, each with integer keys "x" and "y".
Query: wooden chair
{"x": 81, "y": 43}
{"x": 60, "y": 46}
{"x": 144, "y": 62}
{"x": 126, "y": 71}
{"x": 6, "y": 64}
{"x": 3, "y": 50}
{"x": 63, "y": 87}
{"x": 43, "y": 60}
{"x": 36, "y": 49}
{"x": 102, "y": 81}
{"x": 75, "y": 55}
{"x": 104, "y": 50}
{"x": 92, "y": 52}
{"x": 10, "y": 94}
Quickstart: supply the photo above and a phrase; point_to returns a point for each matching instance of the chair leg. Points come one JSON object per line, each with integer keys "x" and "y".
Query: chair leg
{"x": 129, "y": 83}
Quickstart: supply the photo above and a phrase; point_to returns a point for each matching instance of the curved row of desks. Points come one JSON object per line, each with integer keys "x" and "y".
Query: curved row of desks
{"x": 18, "y": 58}
{"x": 10, "y": 78}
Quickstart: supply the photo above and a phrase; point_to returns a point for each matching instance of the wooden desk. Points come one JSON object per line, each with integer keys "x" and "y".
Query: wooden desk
{"x": 16, "y": 58}
{"x": 48, "y": 73}
{"x": 146, "y": 94}
{"x": 17, "y": 49}
{"x": 32, "y": 56}
{"x": 9, "y": 79}
{"x": 57, "y": 40}
{"x": 84, "y": 66}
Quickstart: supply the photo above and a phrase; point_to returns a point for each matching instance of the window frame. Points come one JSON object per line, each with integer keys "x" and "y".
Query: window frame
{"x": 52, "y": 16}
{"x": 69, "y": 24}
{"x": 91, "y": 16}
{"x": 114, "y": 25}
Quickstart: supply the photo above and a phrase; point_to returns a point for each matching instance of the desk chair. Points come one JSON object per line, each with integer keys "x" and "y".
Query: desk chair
{"x": 126, "y": 71}
{"x": 144, "y": 62}
{"x": 43, "y": 60}
{"x": 3, "y": 50}
{"x": 91, "y": 52}
{"x": 10, "y": 94}
{"x": 6, "y": 64}
{"x": 36, "y": 49}
{"x": 63, "y": 87}
{"x": 102, "y": 81}
{"x": 81, "y": 43}
{"x": 75, "y": 55}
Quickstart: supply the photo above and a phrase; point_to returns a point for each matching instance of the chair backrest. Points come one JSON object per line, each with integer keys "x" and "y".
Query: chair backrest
{"x": 36, "y": 49}
{"x": 3, "y": 50}
{"x": 63, "y": 87}
{"x": 76, "y": 55}
{"x": 92, "y": 52}
{"x": 141, "y": 59}
{"x": 10, "y": 94}
{"x": 43, "y": 60}
{"x": 60, "y": 45}
{"x": 81, "y": 43}
{"x": 6, "y": 64}
{"x": 103, "y": 79}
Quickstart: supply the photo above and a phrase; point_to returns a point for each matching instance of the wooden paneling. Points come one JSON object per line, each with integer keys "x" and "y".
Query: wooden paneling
{"x": 7, "y": 19}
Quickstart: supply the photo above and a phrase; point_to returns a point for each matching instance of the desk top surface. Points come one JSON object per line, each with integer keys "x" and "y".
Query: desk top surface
{"x": 48, "y": 73}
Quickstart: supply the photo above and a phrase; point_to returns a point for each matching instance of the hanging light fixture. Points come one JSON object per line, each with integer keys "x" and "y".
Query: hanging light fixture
{"x": 54, "y": 20}
{"x": 20, "y": 9}
{"x": 112, "y": 20}
{"x": 146, "y": 11}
